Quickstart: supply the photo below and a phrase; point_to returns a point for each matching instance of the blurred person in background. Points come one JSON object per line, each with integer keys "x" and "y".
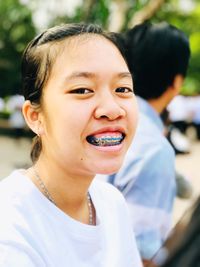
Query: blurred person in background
{"x": 184, "y": 112}
{"x": 16, "y": 120}
{"x": 180, "y": 118}
{"x": 195, "y": 110}
{"x": 158, "y": 57}
{"x": 179, "y": 112}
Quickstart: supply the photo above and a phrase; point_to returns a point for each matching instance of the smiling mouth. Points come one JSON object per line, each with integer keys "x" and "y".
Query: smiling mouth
{"x": 104, "y": 140}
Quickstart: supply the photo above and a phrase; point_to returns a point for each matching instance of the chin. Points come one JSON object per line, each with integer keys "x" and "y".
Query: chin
{"x": 108, "y": 168}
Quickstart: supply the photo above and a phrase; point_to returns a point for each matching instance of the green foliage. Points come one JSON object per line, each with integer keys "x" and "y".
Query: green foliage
{"x": 16, "y": 29}
{"x": 189, "y": 22}
{"x": 99, "y": 13}
{"x": 190, "y": 86}
{"x": 90, "y": 11}
{"x": 4, "y": 115}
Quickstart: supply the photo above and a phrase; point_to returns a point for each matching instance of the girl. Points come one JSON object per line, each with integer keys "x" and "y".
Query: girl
{"x": 80, "y": 103}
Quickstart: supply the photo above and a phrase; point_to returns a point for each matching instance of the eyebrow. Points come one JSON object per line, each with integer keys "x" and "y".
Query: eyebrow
{"x": 124, "y": 75}
{"x": 88, "y": 75}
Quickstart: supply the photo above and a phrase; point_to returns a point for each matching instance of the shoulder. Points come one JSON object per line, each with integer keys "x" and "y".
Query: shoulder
{"x": 147, "y": 126}
{"x": 149, "y": 140}
{"x": 7, "y": 186}
{"x": 16, "y": 197}
{"x": 10, "y": 185}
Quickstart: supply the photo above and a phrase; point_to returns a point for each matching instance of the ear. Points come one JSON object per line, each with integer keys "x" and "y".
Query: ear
{"x": 32, "y": 116}
{"x": 177, "y": 84}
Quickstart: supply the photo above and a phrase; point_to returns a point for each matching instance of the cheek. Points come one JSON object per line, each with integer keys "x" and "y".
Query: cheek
{"x": 73, "y": 121}
{"x": 78, "y": 116}
{"x": 132, "y": 115}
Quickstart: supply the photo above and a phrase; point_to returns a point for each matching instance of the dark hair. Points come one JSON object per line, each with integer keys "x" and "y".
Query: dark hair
{"x": 155, "y": 55}
{"x": 38, "y": 59}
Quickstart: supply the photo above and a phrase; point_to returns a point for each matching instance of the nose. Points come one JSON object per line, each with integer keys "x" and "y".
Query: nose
{"x": 109, "y": 108}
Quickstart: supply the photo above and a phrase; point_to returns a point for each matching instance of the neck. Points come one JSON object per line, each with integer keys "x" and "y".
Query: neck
{"x": 160, "y": 103}
{"x": 68, "y": 191}
{"x": 157, "y": 105}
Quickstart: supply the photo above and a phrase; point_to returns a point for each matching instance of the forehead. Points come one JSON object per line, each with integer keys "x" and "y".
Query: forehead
{"x": 88, "y": 51}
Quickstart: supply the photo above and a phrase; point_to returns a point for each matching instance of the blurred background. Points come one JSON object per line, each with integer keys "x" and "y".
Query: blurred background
{"x": 21, "y": 20}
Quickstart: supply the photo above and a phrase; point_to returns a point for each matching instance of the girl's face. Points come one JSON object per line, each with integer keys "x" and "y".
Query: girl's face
{"x": 89, "y": 112}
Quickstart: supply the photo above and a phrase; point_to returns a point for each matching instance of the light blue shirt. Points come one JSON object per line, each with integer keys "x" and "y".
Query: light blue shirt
{"x": 147, "y": 181}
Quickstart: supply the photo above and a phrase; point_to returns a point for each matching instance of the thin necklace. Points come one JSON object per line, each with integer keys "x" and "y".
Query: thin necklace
{"x": 50, "y": 198}
{"x": 43, "y": 187}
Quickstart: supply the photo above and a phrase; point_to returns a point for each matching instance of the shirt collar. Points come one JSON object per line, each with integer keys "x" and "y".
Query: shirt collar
{"x": 146, "y": 108}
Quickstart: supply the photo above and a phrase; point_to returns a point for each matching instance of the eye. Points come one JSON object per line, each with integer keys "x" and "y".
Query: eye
{"x": 124, "y": 90}
{"x": 81, "y": 91}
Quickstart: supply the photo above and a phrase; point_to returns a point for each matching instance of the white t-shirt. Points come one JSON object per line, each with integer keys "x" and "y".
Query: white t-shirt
{"x": 35, "y": 233}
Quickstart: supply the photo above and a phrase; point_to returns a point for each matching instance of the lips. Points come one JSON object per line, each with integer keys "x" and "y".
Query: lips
{"x": 106, "y": 138}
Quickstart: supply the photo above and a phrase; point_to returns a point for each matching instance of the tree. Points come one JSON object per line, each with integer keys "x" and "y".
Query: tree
{"x": 118, "y": 15}
{"x": 146, "y": 13}
{"x": 16, "y": 29}
{"x": 189, "y": 22}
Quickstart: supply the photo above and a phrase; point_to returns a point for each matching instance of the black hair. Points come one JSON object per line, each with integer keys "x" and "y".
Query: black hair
{"x": 155, "y": 53}
{"x": 36, "y": 64}
{"x": 38, "y": 59}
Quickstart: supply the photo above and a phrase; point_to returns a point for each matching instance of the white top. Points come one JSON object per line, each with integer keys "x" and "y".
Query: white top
{"x": 2, "y": 104}
{"x": 17, "y": 120}
{"x": 194, "y": 104}
{"x": 179, "y": 109}
{"x": 34, "y": 232}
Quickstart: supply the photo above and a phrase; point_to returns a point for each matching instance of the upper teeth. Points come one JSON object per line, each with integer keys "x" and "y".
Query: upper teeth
{"x": 106, "y": 140}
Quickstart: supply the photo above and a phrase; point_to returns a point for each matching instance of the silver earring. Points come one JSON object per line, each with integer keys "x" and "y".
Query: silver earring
{"x": 38, "y": 133}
